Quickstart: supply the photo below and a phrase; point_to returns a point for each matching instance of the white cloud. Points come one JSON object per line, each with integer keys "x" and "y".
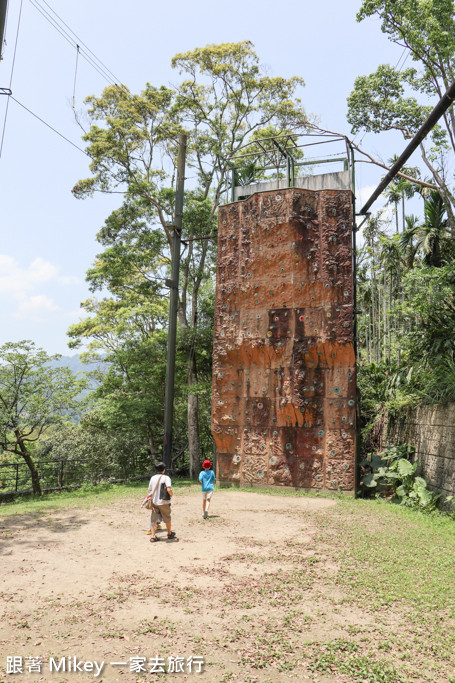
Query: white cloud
{"x": 36, "y": 308}
{"x": 28, "y": 292}
{"x": 42, "y": 271}
{"x": 17, "y": 280}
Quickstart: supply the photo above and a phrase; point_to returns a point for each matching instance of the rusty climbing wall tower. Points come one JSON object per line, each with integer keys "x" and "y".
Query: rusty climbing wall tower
{"x": 283, "y": 409}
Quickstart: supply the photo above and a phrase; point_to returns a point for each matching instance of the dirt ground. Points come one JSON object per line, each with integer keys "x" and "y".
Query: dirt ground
{"x": 247, "y": 590}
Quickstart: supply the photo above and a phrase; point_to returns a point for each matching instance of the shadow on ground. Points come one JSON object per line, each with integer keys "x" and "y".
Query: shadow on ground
{"x": 24, "y": 529}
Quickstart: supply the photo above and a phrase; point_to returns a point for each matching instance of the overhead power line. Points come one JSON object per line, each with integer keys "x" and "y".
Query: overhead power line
{"x": 87, "y": 54}
{"x": 81, "y": 42}
{"x": 48, "y": 125}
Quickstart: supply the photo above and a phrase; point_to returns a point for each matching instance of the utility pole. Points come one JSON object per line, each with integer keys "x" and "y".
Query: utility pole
{"x": 173, "y": 305}
{"x": 3, "y": 11}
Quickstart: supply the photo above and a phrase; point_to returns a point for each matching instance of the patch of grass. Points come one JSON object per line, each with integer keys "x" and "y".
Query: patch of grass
{"x": 22, "y": 624}
{"x": 393, "y": 559}
{"x": 269, "y": 650}
{"x": 394, "y": 554}
{"x": 341, "y": 656}
{"x": 85, "y": 497}
{"x": 112, "y": 634}
{"x": 160, "y": 627}
{"x": 366, "y": 670}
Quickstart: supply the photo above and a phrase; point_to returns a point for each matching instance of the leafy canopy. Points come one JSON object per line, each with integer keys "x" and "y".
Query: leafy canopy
{"x": 33, "y": 395}
{"x": 401, "y": 99}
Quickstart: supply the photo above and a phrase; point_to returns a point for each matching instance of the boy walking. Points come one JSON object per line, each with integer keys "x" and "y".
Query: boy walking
{"x": 207, "y": 479}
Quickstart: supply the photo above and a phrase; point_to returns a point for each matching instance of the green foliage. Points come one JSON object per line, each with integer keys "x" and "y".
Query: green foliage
{"x": 406, "y": 293}
{"x": 378, "y": 103}
{"x": 34, "y": 397}
{"x": 392, "y": 468}
{"x": 430, "y": 301}
{"x": 224, "y": 98}
{"x": 100, "y": 453}
{"x": 432, "y": 237}
{"x": 392, "y": 99}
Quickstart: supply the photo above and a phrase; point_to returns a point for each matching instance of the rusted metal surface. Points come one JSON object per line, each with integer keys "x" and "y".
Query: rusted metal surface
{"x": 283, "y": 409}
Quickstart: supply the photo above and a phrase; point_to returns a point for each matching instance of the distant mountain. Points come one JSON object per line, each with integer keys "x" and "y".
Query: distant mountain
{"x": 72, "y": 362}
{"x": 75, "y": 364}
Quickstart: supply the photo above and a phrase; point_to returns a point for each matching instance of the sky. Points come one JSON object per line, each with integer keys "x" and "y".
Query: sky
{"x": 48, "y": 238}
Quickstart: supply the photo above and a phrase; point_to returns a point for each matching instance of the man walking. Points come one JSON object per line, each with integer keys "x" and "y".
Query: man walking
{"x": 161, "y": 487}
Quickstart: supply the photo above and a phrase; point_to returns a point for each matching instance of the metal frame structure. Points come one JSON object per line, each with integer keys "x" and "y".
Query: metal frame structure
{"x": 280, "y": 156}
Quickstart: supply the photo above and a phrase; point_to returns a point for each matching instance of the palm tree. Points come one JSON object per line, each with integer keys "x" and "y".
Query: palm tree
{"x": 399, "y": 190}
{"x": 390, "y": 258}
{"x": 390, "y": 255}
{"x": 406, "y": 241}
{"x": 432, "y": 237}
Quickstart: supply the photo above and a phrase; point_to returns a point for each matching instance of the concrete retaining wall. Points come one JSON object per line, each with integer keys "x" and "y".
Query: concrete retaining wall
{"x": 431, "y": 430}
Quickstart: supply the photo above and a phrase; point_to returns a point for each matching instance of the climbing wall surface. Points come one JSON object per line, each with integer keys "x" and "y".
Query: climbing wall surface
{"x": 283, "y": 408}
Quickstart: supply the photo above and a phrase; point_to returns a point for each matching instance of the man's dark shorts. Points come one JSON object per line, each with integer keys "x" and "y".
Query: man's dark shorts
{"x": 161, "y": 512}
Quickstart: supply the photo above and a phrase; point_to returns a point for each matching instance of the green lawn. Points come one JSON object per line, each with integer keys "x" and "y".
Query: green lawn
{"x": 398, "y": 564}
{"x": 84, "y": 497}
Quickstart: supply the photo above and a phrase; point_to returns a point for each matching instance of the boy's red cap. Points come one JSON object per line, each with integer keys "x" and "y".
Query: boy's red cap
{"x": 206, "y": 464}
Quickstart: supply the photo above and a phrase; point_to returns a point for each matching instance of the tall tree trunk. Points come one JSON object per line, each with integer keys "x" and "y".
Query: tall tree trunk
{"x": 391, "y": 318}
{"x": 368, "y": 328}
{"x": 385, "y": 316}
{"x": 374, "y": 297}
{"x": 403, "y": 215}
{"x": 151, "y": 443}
{"x": 31, "y": 466}
{"x": 193, "y": 417}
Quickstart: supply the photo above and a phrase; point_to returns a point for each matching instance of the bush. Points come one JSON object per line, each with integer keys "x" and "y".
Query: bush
{"x": 391, "y": 471}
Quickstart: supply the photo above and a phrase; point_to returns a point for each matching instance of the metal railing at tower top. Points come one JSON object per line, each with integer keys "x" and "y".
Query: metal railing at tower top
{"x": 280, "y": 161}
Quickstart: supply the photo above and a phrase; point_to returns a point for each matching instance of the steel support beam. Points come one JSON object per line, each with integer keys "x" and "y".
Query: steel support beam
{"x": 439, "y": 110}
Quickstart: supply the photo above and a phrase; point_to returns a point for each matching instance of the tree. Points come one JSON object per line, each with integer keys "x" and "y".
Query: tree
{"x": 224, "y": 99}
{"x": 127, "y": 343}
{"x": 399, "y": 190}
{"x": 431, "y": 237}
{"x": 430, "y": 305}
{"x": 408, "y": 247}
{"x": 33, "y": 398}
{"x": 392, "y": 99}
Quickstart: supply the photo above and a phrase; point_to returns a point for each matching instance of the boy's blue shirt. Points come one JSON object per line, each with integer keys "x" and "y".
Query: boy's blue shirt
{"x": 207, "y": 477}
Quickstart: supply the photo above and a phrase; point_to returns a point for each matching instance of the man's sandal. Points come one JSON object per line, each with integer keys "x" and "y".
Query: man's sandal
{"x": 153, "y": 539}
{"x": 171, "y": 536}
